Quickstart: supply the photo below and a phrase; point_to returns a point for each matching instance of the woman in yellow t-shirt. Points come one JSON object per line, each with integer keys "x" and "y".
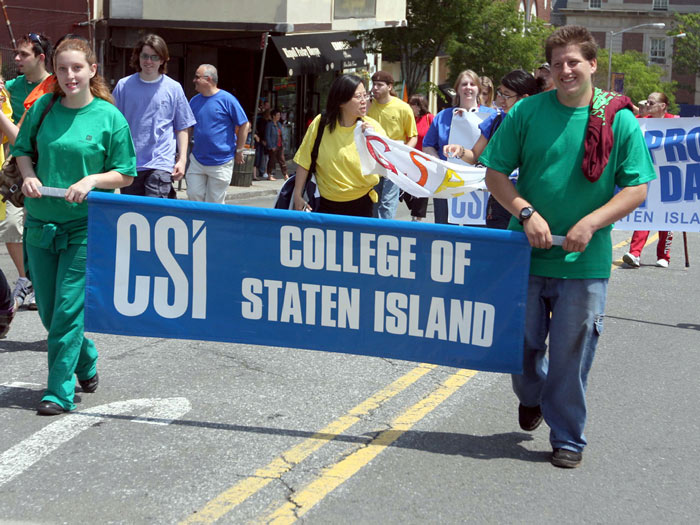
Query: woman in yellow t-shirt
{"x": 6, "y": 304}
{"x": 344, "y": 189}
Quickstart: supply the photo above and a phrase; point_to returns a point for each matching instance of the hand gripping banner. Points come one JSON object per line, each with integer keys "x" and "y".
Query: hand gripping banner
{"x": 428, "y": 293}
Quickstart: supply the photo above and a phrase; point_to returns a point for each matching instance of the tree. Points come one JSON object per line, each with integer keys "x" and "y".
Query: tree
{"x": 686, "y": 50}
{"x": 430, "y": 25}
{"x": 641, "y": 78}
{"x": 498, "y": 40}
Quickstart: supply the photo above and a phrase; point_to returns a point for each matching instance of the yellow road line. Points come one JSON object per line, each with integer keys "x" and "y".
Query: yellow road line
{"x": 333, "y": 477}
{"x": 339, "y": 473}
{"x": 238, "y": 493}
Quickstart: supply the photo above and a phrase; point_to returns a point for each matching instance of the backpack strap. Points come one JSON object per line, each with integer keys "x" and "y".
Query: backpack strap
{"x": 48, "y": 107}
{"x": 317, "y": 144}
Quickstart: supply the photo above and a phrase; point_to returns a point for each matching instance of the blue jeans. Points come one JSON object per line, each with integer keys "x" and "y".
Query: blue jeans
{"x": 385, "y": 208}
{"x": 558, "y": 384}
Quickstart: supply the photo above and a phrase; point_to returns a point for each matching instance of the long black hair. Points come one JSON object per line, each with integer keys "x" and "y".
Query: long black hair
{"x": 522, "y": 82}
{"x": 342, "y": 90}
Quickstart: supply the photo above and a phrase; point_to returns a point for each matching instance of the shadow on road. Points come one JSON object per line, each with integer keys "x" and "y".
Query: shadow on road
{"x": 685, "y": 326}
{"x": 23, "y": 346}
{"x": 507, "y": 445}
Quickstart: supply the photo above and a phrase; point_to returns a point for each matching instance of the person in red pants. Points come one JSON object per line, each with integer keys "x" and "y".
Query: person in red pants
{"x": 639, "y": 239}
{"x": 656, "y": 106}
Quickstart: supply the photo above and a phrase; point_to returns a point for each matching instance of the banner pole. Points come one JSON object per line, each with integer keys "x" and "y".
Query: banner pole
{"x": 685, "y": 246}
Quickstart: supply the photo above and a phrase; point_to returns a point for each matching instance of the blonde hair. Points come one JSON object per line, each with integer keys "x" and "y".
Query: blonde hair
{"x": 98, "y": 86}
{"x": 475, "y": 79}
{"x": 486, "y": 83}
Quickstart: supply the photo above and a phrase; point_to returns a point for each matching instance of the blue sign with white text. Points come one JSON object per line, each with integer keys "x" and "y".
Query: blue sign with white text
{"x": 673, "y": 199}
{"x": 438, "y": 294}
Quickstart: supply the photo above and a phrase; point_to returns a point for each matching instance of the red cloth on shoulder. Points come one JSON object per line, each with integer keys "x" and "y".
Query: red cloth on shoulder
{"x": 599, "y": 134}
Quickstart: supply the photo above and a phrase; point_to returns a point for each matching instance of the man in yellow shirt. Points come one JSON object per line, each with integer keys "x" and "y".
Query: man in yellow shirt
{"x": 396, "y": 117}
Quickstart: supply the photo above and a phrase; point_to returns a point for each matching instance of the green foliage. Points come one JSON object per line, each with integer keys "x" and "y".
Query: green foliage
{"x": 686, "y": 50}
{"x": 490, "y": 37}
{"x": 430, "y": 25}
{"x": 641, "y": 78}
{"x": 496, "y": 40}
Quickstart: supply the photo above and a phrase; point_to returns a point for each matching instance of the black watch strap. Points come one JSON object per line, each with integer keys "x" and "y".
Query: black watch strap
{"x": 525, "y": 214}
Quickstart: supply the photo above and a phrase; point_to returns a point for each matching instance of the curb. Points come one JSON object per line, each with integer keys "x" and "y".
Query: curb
{"x": 234, "y": 196}
{"x": 238, "y": 193}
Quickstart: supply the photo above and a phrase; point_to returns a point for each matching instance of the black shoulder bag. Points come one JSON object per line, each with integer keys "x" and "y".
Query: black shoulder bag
{"x": 285, "y": 198}
{"x": 10, "y": 176}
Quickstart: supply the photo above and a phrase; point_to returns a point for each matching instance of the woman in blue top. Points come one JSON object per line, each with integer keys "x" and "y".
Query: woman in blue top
{"x": 515, "y": 85}
{"x": 468, "y": 88}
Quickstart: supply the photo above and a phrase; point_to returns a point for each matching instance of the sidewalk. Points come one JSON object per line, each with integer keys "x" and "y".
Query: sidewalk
{"x": 261, "y": 188}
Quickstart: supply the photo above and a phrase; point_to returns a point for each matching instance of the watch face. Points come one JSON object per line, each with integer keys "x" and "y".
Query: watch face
{"x": 525, "y": 213}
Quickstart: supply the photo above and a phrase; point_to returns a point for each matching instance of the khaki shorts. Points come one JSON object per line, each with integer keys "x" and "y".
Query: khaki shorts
{"x": 12, "y": 227}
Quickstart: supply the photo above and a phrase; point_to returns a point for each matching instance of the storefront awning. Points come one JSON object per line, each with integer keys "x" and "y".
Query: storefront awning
{"x": 316, "y": 53}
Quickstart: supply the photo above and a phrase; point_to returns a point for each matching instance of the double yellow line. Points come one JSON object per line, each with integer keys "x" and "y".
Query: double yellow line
{"x": 332, "y": 477}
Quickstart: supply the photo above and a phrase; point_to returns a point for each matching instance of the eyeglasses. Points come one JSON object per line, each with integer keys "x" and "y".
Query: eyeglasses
{"x": 650, "y": 103}
{"x": 362, "y": 96}
{"x": 152, "y": 58}
{"x": 499, "y": 93}
{"x": 197, "y": 77}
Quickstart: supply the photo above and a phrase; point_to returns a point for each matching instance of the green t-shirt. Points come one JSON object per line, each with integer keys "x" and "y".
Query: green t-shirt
{"x": 19, "y": 89}
{"x": 72, "y": 144}
{"x": 545, "y": 139}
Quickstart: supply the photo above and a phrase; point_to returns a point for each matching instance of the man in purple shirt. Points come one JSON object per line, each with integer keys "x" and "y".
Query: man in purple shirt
{"x": 159, "y": 117}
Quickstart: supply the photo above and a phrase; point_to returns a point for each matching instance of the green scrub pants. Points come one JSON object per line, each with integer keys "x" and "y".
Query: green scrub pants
{"x": 58, "y": 277}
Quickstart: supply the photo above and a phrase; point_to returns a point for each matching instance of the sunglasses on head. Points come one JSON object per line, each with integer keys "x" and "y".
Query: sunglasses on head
{"x": 34, "y": 38}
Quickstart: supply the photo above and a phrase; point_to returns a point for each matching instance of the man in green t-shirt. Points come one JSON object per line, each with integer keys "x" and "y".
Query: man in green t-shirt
{"x": 544, "y": 136}
{"x": 32, "y": 57}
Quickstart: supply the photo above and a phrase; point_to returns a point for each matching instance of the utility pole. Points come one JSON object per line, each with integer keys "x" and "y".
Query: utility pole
{"x": 9, "y": 25}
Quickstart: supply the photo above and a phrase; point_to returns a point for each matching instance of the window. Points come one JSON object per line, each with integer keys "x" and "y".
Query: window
{"x": 660, "y": 5}
{"x": 343, "y": 9}
{"x": 657, "y": 53}
{"x": 595, "y": 4}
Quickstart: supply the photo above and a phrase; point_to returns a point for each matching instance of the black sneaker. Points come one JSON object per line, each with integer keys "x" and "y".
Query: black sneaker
{"x": 529, "y": 417}
{"x": 89, "y": 385}
{"x": 564, "y": 458}
{"x": 49, "y": 408}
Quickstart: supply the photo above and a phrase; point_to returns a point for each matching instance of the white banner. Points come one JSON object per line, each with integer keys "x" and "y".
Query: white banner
{"x": 413, "y": 171}
{"x": 672, "y": 200}
{"x": 469, "y": 208}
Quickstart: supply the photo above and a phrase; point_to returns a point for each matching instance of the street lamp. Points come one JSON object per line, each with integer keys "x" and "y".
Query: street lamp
{"x": 659, "y": 25}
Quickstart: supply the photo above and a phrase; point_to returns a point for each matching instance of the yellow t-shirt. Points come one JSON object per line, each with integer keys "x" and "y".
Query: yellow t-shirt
{"x": 338, "y": 172}
{"x": 7, "y": 110}
{"x": 396, "y": 117}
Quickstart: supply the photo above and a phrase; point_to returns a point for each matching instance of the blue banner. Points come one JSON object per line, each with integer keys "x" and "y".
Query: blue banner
{"x": 672, "y": 202}
{"x": 429, "y": 293}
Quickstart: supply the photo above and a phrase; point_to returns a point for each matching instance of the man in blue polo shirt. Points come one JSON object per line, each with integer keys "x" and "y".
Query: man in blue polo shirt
{"x": 222, "y": 125}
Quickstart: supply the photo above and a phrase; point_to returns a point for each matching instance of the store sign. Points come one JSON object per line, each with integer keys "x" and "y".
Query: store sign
{"x": 316, "y": 53}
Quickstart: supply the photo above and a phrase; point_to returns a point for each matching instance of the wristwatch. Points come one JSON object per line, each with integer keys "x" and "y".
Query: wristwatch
{"x": 525, "y": 214}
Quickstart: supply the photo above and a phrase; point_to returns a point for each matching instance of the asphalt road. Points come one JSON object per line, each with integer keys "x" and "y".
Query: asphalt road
{"x": 198, "y": 432}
